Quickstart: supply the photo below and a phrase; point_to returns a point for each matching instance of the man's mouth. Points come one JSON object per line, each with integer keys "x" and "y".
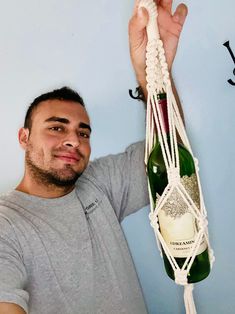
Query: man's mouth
{"x": 68, "y": 158}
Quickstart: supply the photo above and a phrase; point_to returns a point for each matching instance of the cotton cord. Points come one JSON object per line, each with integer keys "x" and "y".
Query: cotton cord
{"x": 158, "y": 81}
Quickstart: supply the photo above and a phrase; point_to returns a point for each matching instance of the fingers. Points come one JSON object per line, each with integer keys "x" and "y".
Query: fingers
{"x": 180, "y": 14}
{"x": 139, "y": 21}
{"x": 138, "y": 42}
{"x": 165, "y": 4}
{"x": 136, "y": 7}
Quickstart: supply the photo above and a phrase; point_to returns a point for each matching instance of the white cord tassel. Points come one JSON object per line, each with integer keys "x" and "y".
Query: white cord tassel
{"x": 158, "y": 80}
{"x": 188, "y": 300}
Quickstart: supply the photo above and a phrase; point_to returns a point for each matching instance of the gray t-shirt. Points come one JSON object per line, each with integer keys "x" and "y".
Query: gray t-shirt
{"x": 69, "y": 255}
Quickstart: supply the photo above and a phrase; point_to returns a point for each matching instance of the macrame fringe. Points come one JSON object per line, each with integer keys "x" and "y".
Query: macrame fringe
{"x": 188, "y": 300}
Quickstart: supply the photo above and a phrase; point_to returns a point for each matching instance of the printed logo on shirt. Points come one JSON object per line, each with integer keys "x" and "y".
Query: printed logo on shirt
{"x": 91, "y": 207}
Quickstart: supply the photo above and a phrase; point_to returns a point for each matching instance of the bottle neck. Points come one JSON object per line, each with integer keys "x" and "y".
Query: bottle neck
{"x": 162, "y": 101}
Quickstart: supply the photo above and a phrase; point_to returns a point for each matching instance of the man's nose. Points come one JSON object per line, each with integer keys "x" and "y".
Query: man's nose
{"x": 72, "y": 141}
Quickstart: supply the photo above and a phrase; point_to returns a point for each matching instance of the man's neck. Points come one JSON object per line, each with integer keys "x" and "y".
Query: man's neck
{"x": 32, "y": 187}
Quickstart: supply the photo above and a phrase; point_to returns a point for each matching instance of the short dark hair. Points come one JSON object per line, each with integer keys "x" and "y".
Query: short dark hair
{"x": 64, "y": 93}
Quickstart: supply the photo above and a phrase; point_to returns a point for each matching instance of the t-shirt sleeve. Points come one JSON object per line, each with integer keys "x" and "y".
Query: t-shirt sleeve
{"x": 13, "y": 277}
{"x": 123, "y": 179}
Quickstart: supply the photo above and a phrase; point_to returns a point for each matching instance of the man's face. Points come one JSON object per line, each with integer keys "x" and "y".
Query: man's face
{"x": 58, "y": 144}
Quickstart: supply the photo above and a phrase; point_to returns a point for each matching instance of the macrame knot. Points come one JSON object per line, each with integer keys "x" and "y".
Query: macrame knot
{"x": 202, "y": 223}
{"x": 212, "y": 257}
{"x": 173, "y": 176}
{"x": 151, "y": 7}
{"x": 196, "y": 163}
{"x": 153, "y": 77}
{"x": 181, "y": 277}
{"x": 163, "y": 63}
{"x": 153, "y": 221}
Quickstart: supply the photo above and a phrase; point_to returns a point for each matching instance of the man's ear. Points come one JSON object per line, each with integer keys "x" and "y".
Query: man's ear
{"x": 23, "y": 137}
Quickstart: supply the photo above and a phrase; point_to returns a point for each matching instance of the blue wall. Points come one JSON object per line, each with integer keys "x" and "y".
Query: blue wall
{"x": 84, "y": 44}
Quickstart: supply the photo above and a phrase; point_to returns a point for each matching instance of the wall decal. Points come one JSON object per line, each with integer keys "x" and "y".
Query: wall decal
{"x": 226, "y": 44}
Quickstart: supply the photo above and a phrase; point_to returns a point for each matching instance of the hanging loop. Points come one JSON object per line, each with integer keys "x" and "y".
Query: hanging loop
{"x": 152, "y": 28}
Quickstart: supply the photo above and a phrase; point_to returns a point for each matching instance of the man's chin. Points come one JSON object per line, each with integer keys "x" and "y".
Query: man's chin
{"x": 63, "y": 178}
{"x": 58, "y": 176}
{"x": 63, "y": 182}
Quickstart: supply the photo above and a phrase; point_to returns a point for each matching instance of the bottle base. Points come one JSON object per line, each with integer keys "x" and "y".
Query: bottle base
{"x": 199, "y": 270}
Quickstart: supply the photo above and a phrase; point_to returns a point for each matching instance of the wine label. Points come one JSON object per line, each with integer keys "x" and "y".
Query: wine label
{"x": 178, "y": 225}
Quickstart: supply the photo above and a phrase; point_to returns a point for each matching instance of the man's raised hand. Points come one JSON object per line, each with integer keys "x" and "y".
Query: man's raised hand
{"x": 170, "y": 26}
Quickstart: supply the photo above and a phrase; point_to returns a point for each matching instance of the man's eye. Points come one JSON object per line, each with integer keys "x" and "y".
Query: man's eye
{"x": 85, "y": 135}
{"x": 56, "y": 128}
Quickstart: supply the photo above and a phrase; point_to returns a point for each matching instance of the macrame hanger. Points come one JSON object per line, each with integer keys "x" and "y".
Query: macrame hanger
{"x": 158, "y": 81}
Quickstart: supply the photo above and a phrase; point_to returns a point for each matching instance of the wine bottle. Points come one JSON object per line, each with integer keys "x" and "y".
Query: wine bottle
{"x": 178, "y": 225}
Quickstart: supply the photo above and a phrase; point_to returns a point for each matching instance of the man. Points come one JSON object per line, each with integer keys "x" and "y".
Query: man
{"x": 62, "y": 249}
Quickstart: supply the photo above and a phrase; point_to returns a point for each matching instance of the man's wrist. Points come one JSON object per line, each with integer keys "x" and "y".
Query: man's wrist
{"x": 143, "y": 85}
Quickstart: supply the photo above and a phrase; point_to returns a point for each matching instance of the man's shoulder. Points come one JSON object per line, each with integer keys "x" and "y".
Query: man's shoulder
{"x": 6, "y": 201}
{"x": 4, "y": 196}
{"x": 6, "y": 222}
{"x": 8, "y": 210}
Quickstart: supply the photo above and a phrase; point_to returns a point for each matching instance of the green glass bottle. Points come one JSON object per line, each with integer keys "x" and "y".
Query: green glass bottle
{"x": 177, "y": 225}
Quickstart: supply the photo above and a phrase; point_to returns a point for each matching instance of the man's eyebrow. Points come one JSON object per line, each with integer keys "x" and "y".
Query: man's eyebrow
{"x": 82, "y": 125}
{"x": 57, "y": 119}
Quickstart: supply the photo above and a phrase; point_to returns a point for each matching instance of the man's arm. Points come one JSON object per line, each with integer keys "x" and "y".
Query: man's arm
{"x": 10, "y": 308}
{"x": 122, "y": 178}
{"x": 170, "y": 27}
{"x": 13, "y": 277}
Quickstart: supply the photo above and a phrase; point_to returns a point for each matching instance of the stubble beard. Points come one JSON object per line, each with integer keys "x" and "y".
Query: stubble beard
{"x": 52, "y": 177}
